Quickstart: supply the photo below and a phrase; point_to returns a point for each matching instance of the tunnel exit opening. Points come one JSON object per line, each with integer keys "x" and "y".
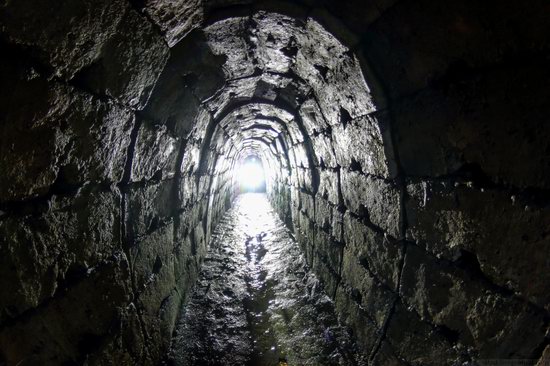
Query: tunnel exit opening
{"x": 251, "y": 175}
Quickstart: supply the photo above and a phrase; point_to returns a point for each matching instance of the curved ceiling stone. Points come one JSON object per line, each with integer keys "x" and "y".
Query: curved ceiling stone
{"x": 277, "y": 44}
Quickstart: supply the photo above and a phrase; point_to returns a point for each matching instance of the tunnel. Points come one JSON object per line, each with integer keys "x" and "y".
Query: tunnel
{"x": 397, "y": 213}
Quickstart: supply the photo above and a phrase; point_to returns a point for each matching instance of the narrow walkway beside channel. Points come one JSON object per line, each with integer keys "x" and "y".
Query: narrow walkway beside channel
{"x": 256, "y": 303}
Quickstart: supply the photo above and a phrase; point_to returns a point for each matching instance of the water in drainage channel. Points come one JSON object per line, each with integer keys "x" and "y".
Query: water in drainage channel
{"x": 255, "y": 302}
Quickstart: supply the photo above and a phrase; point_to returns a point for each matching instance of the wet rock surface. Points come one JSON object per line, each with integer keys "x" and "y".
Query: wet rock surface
{"x": 407, "y": 147}
{"x": 256, "y": 302}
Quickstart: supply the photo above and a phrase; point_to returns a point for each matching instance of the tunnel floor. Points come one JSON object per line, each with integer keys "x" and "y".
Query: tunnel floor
{"x": 255, "y": 302}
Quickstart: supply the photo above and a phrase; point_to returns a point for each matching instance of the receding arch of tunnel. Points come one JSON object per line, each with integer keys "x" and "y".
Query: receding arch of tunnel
{"x": 136, "y": 135}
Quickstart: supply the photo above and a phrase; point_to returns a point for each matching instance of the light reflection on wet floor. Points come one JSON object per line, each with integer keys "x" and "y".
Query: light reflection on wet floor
{"x": 255, "y": 302}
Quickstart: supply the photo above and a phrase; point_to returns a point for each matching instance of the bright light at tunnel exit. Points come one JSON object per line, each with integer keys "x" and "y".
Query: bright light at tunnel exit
{"x": 251, "y": 175}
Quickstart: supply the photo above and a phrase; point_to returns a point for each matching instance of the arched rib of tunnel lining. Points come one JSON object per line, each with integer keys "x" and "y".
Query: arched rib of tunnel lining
{"x": 263, "y": 117}
{"x": 231, "y": 291}
{"x": 335, "y": 178}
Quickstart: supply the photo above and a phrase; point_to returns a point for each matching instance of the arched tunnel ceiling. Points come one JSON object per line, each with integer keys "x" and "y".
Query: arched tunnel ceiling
{"x": 125, "y": 128}
{"x": 276, "y": 76}
{"x": 279, "y": 50}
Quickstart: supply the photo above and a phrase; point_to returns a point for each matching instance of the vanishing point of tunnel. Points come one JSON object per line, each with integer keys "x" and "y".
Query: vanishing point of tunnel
{"x": 275, "y": 182}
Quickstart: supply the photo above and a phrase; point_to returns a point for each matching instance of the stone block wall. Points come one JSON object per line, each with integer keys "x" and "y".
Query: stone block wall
{"x": 406, "y": 144}
{"x": 429, "y": 222}
{"x": 105, "y": 210}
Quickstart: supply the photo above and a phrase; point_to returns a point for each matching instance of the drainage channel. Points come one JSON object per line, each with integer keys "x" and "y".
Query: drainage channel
{"x": 255, "y": 302}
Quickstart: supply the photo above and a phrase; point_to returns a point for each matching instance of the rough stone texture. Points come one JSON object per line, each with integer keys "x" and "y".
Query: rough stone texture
{"x": 43, "y": 253}
{"x": 184, "y": 83}
{"x": 411, "y": 160}
{"x": 468, "y": 219}
{"x": 324, "y": 154}
{"x": 328, "y": 186}
{"x": 155, "y": 151}
{"x": 408, "y": 335}
{"x": 312, "y": 117}
{"x": 67, "y": 35}
{"x": 385, "y": 356}
{"x": 79, "y": 331}
{"x": 365, "y": 288}
{"x": 175, "y": 18}
{"x": 147, "y": 207}
{"x": 335, "y": 77}
{"x": 374, "y": 250}
{"x": 352, "y": 313}
{"x": 481, "y": 134}
{"x": 44, "y": 139}
{"x": 359, "y": 142}
{"x": 129, "y": 63}
{"x": 76, "y": 237}
{"x": 226, "y": 38}
{"x": 458, "y": 300}
{"x": 373, "y": 198}
{"x": 154, "y": 281}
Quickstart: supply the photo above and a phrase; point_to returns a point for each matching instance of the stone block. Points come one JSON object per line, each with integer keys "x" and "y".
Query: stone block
{"x": 62, "y": 332}
{"x": 332, "y": 72}
{"x": 40, "y": 253}
{"x": 376, "y": 199}
{"x": 175, "y": 18}
{"x": 386, "y": 356}
{"x": 152, "y": 264}
{"x": 377, "y": 251}
{"x": 307, "y": 203}
{"x": 301, "y": 156}
{"x": 129, "y": 63}
{"x": 374, "y": 297}
{"x": 187, "y": 193}
{"x": 199, "y": 242}
{"x": 168, "y": 314}
{"x": 204, "y": 185}
{"x": 365, "y": 143}
{"x": 294, "y": 196}
{"x": 307, "y": 236}
{"x": 155, "y": 153}
{"x": 408, "y": 336}
{"x": 328, "y": 250}
{"x": 325, "y": 273}
{"x": 126, "y": 347}
{"x": 202, "y": 73}
{"x": 337, "y": 226}
{"x": 68, "y": 35}
{"x": 173, "y": 104}
{"x": 323, "y": 214}
{"x": 352, "y": 314}
{"x": 227, "y": 37}
{"x": 312, "y": 118}
{"x": 505, "y": 233}
{"x": 496, "y": 325}
{"x": 147, "y": 207}
{"x": 57, "y": 133}
{"x": 186, "y": 266}
{"x": 323, "y": 149}
{"x": 329, "y": 181}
